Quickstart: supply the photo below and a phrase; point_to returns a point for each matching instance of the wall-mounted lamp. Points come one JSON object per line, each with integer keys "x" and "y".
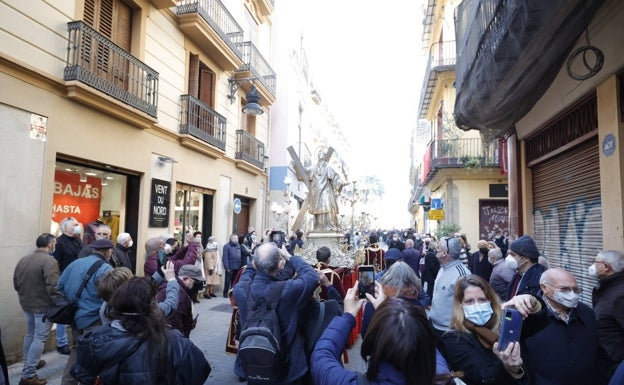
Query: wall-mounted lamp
{"x": 166, "y": 159}
{"x": 252, "y": 107}
{"x": 83, "y": 178}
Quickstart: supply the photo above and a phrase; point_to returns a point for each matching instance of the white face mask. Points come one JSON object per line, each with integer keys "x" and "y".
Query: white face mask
{"x": 511, "y": 262}
{"x": 479, "y": 313}
{"x": 592, "y": 271}
{"x": 130, "y": 244}
{"x": 198, "y": 239}
{"x": 569, "y": 299}
{"x": 77, "y": 230}
{"x": 167, "y": 249}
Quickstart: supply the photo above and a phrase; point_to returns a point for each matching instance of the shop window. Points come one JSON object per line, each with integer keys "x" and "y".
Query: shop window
{"x": 190, "y": 213}
{"x": 91, "y": 196}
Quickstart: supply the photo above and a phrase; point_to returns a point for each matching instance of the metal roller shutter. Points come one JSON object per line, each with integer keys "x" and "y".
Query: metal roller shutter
{"x": 567, "y": 213}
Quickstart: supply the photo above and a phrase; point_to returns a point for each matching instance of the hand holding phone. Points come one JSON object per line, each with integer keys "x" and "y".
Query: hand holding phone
{"x": 510, "y": 329}
{"x": 366, "y": 280}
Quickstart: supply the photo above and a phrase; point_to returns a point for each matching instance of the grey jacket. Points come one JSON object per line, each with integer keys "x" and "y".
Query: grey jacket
{"x": 35, "y": 279}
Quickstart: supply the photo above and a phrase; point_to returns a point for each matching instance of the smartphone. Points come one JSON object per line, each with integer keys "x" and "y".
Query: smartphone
{"x": 366, "y": 280}
{"x": 162, "y": 257}
{"x": 510, "y": 329}
{"x": 278, "y": 238}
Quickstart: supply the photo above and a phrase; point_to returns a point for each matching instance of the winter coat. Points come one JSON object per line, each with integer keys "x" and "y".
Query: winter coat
{"x": 327, "y": 367}
{"x": 232, "y": 257}
{"x": 608, "y": 303}
{"x": 296, "y": 294}
{"x": 67, "y": 250}
{"x": 133, "y": 363}
{"x": 480, "y": 365}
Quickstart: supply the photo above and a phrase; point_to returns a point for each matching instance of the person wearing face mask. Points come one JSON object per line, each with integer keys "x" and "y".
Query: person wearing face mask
{"x": 88, "y": 312}
{"x": 523, "y": 257}
{"x": 501, "y": 273}
{"x": 608, "y": 304}
{"x": 68, "y": 246}
{"x": 232, "y": 262}
{"x": 561, "y": 346}
{"x": 211, "y": 262}
{"x": 479, "y": 263}
{"x": 451, "y": 268}
{"x": 191, "y": 281}
{"x": 471, "y": 343}
{"x": 122, "y": 251}
{"x": 34, "y": 279}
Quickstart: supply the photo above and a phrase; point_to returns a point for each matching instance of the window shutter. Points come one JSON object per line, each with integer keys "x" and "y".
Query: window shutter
{"x": 122, "y": 25}
{"x": 193, "y": 87}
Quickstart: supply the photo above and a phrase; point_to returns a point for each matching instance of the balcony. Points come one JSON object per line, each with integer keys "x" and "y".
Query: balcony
{"x": 200, "y": 125}
{"x": 255, "y": 65}
{"x": 211, "y": 26}
{"x": 442, "y": 58}
{"x": 95, "y": 61}
{"x": 251, "y": 151}
{"x": 509, "y": 53}
{"x": 458, "y": 153}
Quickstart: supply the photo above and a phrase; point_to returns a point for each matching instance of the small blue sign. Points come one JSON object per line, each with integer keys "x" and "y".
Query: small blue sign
{"x": 436, "y": 203}
{"x": 237, "y": 206}
{"x": 608, "y": 145}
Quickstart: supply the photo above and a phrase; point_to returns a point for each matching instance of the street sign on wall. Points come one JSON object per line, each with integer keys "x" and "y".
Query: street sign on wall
{"x": 436, "y": 215}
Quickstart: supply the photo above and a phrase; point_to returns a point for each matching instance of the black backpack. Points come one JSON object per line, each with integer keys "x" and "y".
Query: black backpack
{"x": 260, "y": 349}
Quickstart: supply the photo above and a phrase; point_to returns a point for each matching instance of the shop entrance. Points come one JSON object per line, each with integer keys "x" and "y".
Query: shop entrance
{"x": 193, "y": 211}
{"x": 95, "y": 195}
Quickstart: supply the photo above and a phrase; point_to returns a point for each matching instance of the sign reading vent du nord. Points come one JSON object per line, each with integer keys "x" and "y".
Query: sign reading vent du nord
{"x": 159, "y": 203}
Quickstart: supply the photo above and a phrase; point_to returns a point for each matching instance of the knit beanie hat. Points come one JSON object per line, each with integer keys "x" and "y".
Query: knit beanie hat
{"x": 393, "y": 254}
{"x": 525, "y": 246}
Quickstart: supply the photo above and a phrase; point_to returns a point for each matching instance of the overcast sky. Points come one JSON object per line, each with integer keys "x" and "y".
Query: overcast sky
{"x": 366, "y": 60}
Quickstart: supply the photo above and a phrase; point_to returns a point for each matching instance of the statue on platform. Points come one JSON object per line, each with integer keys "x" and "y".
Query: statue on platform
{"x": 324, "y": 184}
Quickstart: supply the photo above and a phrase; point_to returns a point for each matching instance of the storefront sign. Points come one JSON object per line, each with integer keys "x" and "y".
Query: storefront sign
{"x": 76, "y": 198}
{"x": 159, "y": 203}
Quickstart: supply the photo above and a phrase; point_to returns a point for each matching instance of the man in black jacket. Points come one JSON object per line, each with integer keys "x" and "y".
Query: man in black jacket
{"x": 608, "y": 303}
{"x": 68, "y": 246}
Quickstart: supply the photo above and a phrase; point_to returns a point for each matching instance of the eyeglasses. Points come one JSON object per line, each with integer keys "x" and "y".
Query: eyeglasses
{"x": 566, "y": 289}
{"x": 603, "y": 262}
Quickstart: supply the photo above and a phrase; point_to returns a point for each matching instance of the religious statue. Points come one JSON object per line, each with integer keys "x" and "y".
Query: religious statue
{"x": 324, "y": 184}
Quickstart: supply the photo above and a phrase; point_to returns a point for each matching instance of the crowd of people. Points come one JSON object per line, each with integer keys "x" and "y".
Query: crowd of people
{"x": 434, "y": 318}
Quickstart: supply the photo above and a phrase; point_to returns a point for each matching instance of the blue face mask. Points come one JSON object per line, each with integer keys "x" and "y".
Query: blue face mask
{"x": 52, "y": 251}
{"x": 478, "y": 313}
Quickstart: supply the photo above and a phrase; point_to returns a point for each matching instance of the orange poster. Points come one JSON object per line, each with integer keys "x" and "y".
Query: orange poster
{"x": 73, "y": 198}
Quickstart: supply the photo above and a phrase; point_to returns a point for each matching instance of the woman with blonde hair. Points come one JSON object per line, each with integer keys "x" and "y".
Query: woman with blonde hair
{"x": 471, "y": 343}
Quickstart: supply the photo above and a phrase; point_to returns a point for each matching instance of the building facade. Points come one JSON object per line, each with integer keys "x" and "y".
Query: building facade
{"x": 456, "y": 176}
{"x": 559, "y": 98}
{"x": 129, "y": 112}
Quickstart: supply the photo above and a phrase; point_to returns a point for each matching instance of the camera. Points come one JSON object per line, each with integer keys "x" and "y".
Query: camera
{"x": 278, "y": 237}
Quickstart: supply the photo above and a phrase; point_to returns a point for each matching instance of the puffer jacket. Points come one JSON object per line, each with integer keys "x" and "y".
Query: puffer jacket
{"x": 119, "y": 358}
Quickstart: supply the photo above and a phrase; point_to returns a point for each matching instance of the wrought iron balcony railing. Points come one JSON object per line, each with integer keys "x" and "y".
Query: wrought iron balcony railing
{"x": 202, "y": 122}
{"x": 249, "y": 149}
{"x": 458, "y": 153}
{"x": 442, "y": 57}
{"x": 257, "y": 65}
{"x": 95, "y": 60}
{"x": 218, "y": 17}
{"x": 465, "y": 153}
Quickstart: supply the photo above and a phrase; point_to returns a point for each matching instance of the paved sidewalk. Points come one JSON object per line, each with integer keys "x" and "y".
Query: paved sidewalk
{"x": 209, "y": 335}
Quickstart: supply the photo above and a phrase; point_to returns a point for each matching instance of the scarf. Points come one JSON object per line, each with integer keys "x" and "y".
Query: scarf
{"x": 484, "y": 333}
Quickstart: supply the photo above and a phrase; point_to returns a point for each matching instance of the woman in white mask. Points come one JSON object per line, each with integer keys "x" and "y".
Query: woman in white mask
{"x": 470, "y": 344}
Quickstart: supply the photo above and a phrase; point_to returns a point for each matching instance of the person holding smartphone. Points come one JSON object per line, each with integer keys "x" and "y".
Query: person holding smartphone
{"x": 470, "y": 344}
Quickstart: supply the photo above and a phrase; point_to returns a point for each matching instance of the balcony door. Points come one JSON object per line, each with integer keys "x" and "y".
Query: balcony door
{"x": 112, "y": 19}
{"x": 202, "y": 86}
